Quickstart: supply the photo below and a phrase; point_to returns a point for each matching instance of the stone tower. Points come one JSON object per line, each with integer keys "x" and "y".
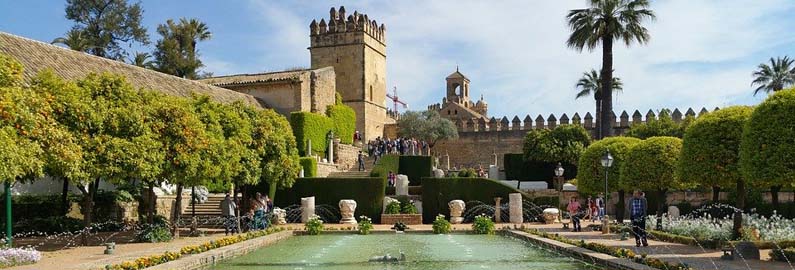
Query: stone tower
{"x": 458, "y": 88}
{"x": 355, "y": 46}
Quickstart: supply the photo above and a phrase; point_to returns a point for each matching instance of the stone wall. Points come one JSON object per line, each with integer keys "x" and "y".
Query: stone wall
{"x": 473, "y": 149}
{"x": 324, "y": 169}
{"x": 346, "y": 156}
{"x": 302, "y": 90}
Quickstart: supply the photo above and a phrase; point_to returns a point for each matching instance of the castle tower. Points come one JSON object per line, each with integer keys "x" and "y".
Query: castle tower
{"x": 356, "y": 47}
{"x": 458, "y": 88}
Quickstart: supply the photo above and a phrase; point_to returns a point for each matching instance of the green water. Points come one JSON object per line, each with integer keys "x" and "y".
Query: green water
{"x": 423, "y": 251}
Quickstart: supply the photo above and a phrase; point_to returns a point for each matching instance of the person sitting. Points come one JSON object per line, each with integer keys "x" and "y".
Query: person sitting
{"x": 574, "y": 211}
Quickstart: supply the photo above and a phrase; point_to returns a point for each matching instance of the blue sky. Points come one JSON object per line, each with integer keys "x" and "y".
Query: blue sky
{"x": 701, "y": 54}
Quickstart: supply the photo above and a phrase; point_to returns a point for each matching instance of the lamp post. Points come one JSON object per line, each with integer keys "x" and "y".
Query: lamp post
{"x": 559, "y": 177}
{"x": 607, "y": 162}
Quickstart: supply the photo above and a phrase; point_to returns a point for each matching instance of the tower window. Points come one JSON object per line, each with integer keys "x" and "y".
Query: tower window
{"x": 338, "y": 59}
{"x": 371, "y": 93}
{"x": 448, "y": 112}
{"x": 456, "y": 111}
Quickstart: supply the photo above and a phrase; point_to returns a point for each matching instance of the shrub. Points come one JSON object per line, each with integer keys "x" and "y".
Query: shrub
{"x": 408, "y": 208}
{"x": 10, "y": 71}
{"x": 18, "y": 256}
{"x": 441, "y": 225}
{"x": 310, "y": 126}
{"x": 517, "y": 168}
{"x": 663, "y": 125}
{"x": 309, "y": 164}
{"x": 153, "y": 233}
{"x": 386, "y": 164}
{"x": 437, "y": 192}
{"x": 767, "y": 143}
{"x": 393, "y": 208}
{"x": 651, "y": 165}
{"x": 343, "y": 119}
{"x": 367, "y": 192}
{"x": 590, "y": 173}
{"x": 415, "y": 167}
{"x": 365, "y": 225}
{"x": 467, "y": 173}
{"x": 565, "y": 143}
{"x": 314, "y": 225}
{"x": 483, "y": 225}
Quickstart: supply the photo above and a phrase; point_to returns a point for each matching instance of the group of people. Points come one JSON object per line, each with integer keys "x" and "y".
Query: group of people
{"x": 402, "y": 146}
{"x": 595, "y": 210}
{"x": 255, "y": 219}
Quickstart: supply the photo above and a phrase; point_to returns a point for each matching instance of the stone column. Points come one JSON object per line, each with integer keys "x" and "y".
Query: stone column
{"x": 515, "y": 207}
{"x": 494, "y": 172}
{"x": 307, "y": 208}
{"x": 457, "y": 208}
{"x": 347, "y": 208}
{"x": 447, "y": 156}
{"x": 331, "y": 151}
{"x": 309, "y": 147}
{"x": 497, "y": 210}
{"x": 402, "y": 184}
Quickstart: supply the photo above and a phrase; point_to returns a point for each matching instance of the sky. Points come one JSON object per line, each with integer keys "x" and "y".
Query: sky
{"x": 701, "y": 52}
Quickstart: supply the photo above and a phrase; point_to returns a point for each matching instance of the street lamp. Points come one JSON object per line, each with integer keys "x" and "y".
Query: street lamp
{"x": 559, "y": 177}
{"x": 559, "y": 170}
{"x": 607, "y": 162}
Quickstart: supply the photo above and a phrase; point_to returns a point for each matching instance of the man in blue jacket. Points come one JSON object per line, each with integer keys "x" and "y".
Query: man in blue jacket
{"x": 637, "y": 212}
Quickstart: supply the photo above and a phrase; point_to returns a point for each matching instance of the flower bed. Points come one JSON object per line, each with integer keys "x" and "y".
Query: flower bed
{"x": 168, "y": 256}
{"x": 18, "y": 256}
{"x": 773, "y": 232}
{"x": 613, "y": 251}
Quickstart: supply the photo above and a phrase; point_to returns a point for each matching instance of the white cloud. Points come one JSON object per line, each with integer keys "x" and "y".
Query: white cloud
{"x": 701, "y": 52}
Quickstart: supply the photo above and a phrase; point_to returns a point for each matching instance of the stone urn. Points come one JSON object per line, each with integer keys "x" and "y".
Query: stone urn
{"x": 551, "y": 215}
{"x": 457, "y": 208}
{"x": 347, "y": 208}
{"x": 280, "y": 216}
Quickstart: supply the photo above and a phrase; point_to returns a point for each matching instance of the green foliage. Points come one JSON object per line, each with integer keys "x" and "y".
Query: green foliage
{"x": 153, "y": 233}
{"x": 314, "y": 226}
{"x": 309, "y": 164}
{"x": 591, "y": 174}
{"x": 565, "y": 143}
{"x": 408, "y": 208}
{"x": 365, "y": 225}
{"x": 441, "y": 225}
{"x": 175, "y": 53}
{"x": 651, "y": 165}
{"x": 311, "y": 126}
{"x": 437, "y": 192}
{"x": 783, "y": 255}
{"x": 483, "y": 225}
{"x": 767, "y": 147}
{"x": 393, "y": 208}
{"x": 517, "y": 168}
{"x": 337, "y": 98}
{"x": 664, "y": 125}
{"x": 467, "y": 173}
{"x": 427, "y": 125}
{"x": 386, "y": 164}
{"x": 10, "y": 71}
{"x": 344, "y": 120}
{"x": 415, "y": 167}
{"x": 108, "y": 25}
{"x": 367, "y": 192}
{"x": 711, "y": 145}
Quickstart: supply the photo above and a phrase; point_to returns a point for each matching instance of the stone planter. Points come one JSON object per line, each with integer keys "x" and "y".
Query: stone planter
{"x": 408, "y": 219}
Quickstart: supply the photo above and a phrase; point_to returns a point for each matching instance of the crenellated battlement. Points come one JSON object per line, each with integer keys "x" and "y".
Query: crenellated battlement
{"x": 622, "y": 121}
{"x": 342, "y": 29}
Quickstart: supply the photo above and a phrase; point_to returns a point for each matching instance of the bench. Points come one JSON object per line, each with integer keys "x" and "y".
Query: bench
{"x": 728, "y": 253}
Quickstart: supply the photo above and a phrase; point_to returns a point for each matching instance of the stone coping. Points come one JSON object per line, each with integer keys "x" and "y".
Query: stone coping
{"x": 601, "y": 259}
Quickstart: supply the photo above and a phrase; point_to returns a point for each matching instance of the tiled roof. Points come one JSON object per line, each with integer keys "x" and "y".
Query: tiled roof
{"x": 240, "y": 79}
{"x": 37, "y": 56}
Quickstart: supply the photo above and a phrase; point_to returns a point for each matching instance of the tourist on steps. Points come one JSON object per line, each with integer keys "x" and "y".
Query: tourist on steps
{"x": 637, "y": 213}
{"x": 361, "y": 161}
{"x": 600, "y": 204}
{"x": 574, "y": 212}
{"x": 228, "y": 208}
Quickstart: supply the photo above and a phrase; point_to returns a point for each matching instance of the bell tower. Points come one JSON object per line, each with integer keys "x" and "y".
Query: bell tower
{"x": 355, "y": 46}
{"x": 458, "y": 88}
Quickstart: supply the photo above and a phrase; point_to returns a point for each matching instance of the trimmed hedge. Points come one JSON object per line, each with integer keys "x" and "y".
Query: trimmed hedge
{"x": 415, "y": 167}
{"x": 768, "y": 142}
{"x": 591, "y": 174}
{"x": 309, "y": 164}
{"x": 517, "y": 168}
{"x": 310, "y": 126}
{"x": 344, "y": 120}
{"x": 367, "y": 192}
{"x": 385, "y": 164}
{"x": 437, "y": 192}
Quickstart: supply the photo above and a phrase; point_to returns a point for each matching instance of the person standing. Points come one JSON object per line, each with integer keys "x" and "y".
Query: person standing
{"x": 637, "y": 212}
{"x": 574, "y": 212}
{"x": 228, "y": 208}
{"x": 390, "y": 178}
{"x": 600, "y": 204}
{"x": 361, "y": 161}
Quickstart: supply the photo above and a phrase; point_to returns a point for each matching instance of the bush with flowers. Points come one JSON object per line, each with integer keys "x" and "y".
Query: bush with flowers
{"x": 441, "y": 225}
{"x": 18, "y": 256}
{"x": 483, "y": 225}
{"x": 314, "y": 225}
{"x": 365, "y": 225}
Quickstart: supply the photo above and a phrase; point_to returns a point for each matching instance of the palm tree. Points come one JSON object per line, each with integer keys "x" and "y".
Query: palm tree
{"x": 75, "y": 40}
{"x": 774, "y": 77}
{"x": 590, "y": 84}
{"x": 143, "y": 60}
{"x": 602, "y": 23}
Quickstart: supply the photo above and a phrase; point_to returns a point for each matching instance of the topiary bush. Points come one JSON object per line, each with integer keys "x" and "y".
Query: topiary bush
{"x": 311, "y": 126}
{"x": 651, "y": 165}
{"x": 591, "y": 174}
{"x": 367, "y": 192}
{"x": 415, "y": 167}
{"x": 309, "y": 164}
{"x": 344, "y": 120}
{"x": 565, "y": 143}
{"x": 386, "y": 164}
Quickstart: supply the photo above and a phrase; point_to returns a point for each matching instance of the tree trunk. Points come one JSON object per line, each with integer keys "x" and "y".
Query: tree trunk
{"x": 65, "y": 197}
{"x": 607, "y": 87}
{"x": 620, "y": 208}
{"x": 737, "y": 229}
{"x": 774, "y": 196}
{"x": 152, "y": 209}
{"x": 598, "y": 112}
{"x": 88, "y": 208}
{"x": 715, "y": 193}
{"x": 660, "y": 207}
{"x": 177, "y": 211}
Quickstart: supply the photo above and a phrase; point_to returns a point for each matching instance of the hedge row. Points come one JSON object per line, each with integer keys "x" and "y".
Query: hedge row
{"x": 310, "y": 126}
{"x": 367, "y": 192}
{"x": 344, "y": 120}
{"x": 437, "y": 192}
{"x": 517, "y": 168}
{"x": 416, "y": 168}
{"x": 309, "y": 164}
{"x": 386, "y": 164}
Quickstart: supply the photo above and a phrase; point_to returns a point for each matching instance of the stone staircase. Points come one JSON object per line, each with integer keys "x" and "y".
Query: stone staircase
{"x": 207, "y": 213}
{"x": 354, "y": 172}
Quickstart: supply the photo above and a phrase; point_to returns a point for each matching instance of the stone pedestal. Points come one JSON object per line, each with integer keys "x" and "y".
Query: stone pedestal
{"x": 347, "y": 208}
{"x": 280, "y": 216}
{"x": 494, "y": 172}
{"x": 307, "y": 208}
{"x": 497, "y": 209}
{"x": 515, "y": 207}
{"x": 457, "y": 208}
{"x": 551, "y": 215}
{"x": 402, "y": 185}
